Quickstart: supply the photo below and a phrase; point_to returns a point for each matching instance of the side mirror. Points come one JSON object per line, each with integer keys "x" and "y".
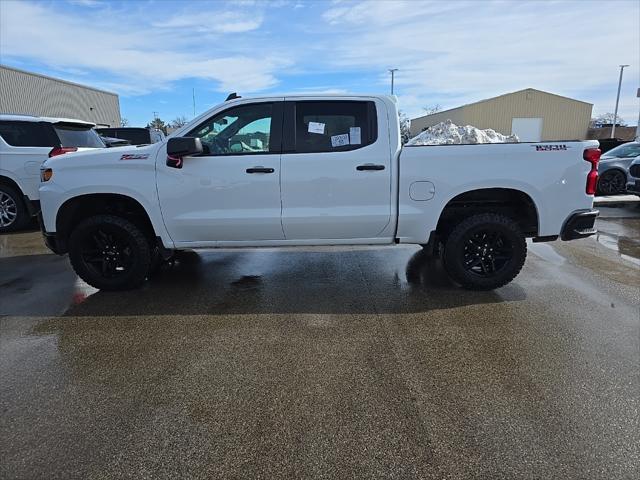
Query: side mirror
{"x": 184, "y": 146}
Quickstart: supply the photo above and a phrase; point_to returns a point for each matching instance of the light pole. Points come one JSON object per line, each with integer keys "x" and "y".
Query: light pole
{"x": 393, "y": 71}
{"x": 615, "y": 113}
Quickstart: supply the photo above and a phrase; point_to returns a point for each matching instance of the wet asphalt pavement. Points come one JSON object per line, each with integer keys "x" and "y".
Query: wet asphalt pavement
{"x": 324, "y": 363}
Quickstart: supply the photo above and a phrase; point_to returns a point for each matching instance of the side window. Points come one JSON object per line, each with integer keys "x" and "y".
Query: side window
{"x": 26, "y": 134}
{"x": 334, "y": 126}
{"x": 245, "y": 129}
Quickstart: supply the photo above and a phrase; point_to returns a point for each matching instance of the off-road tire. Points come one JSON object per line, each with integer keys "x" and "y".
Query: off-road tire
{"x": 128, "y": 234}
{"x": 455, "y": 253}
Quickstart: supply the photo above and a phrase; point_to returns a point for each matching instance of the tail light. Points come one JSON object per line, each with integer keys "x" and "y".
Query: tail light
{"x": 592, "y": 155}
{"x": 60, "y": 150}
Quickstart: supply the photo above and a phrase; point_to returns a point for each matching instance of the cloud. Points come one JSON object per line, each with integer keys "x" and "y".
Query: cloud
{"x": 225, "y": 22}
{"x": 457, "y": 52}
{"x": 131, "y": 57}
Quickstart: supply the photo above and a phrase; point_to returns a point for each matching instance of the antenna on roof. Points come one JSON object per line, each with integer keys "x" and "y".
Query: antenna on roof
{"x": 232, "y": 96}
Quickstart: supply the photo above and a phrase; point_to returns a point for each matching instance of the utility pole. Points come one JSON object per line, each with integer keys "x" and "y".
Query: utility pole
{"x": 194, "y": 103}
{"x": 393, "y": 71}
{"x": 615, "y": 113}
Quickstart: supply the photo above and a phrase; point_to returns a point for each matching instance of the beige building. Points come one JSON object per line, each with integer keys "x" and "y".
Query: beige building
{"x": 531, "y": 114}
{"x": 28, "y": 93}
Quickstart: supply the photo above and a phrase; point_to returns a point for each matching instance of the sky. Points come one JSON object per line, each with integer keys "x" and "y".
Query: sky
{"x": 156, "y": 53}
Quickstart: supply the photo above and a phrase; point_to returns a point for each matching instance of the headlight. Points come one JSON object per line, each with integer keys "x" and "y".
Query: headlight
{"x": 46, "y": 174}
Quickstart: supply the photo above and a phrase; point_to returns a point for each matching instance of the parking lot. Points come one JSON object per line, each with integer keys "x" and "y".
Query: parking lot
{"x": 324, "y": 363}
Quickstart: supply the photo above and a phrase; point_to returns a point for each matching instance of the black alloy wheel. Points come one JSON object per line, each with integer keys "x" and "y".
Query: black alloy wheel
{"x": 484, "y": 251}
{"x": 110, "y": 252}
{"x": 612, "y": 182}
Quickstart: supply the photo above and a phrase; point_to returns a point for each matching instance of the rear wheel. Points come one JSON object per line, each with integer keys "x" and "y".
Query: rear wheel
{"x": 110, "y": 253}
{"x": 611, "y": 182}
{"x": 13, "y": 212}
{"x": 485, "y": 251}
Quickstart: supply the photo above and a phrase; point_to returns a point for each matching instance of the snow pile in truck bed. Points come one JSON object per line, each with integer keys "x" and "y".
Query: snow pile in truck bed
{"x": 448, "y": 133}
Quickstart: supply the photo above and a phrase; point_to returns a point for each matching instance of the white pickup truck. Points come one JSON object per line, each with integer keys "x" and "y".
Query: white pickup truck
{"x": 313, "y": 170}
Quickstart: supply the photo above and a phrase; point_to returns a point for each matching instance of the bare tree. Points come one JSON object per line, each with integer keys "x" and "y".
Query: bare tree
{"x": 178, "y": 122}
{"x": 431, "y": 109}
{"x": 606, "y": 119}
{"x": 124, "y": 122}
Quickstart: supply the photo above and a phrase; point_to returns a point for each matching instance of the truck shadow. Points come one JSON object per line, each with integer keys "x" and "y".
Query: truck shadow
{"x": 370, "y": 281}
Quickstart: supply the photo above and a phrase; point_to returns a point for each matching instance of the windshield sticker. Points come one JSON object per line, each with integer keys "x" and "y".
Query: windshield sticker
{"x": 134, "y": 156}
{"x": 340, "y": 140}
{"x": 316, "y": 127}
{"x": 354, "y": 136}
{"x": 549, "y": 148}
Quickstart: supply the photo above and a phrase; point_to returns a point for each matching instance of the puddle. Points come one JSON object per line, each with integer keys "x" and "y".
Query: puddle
{"x": 627, "y": 248}
{"x": 546, "y": 252}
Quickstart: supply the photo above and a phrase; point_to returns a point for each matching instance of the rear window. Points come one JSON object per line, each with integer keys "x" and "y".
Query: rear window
{"x": 334, "y": 126}
{"x": 71, "y": 135}
{"x": 26, "y": 134}
{"x": 137, "y": 136}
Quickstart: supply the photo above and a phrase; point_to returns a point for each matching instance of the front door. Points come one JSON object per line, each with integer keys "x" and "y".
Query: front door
{"x": 230, "y": 192}
{"x": 336, "y": 170}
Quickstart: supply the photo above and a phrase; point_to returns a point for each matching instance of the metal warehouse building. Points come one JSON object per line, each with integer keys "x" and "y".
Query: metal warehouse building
{"x": 33, "y": 94}
{"x": 531, "y": 114}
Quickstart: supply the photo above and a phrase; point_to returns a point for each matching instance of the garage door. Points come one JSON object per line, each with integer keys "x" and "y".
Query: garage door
{"x": 527, "y": 129}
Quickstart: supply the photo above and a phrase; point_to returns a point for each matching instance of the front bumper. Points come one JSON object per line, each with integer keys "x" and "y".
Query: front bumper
{"x": 634, "y": 186}
{"x": 50, "y": 239}
{"x": 579, "y": 225}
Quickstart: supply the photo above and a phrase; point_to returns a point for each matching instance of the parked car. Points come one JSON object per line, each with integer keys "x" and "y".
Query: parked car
{"x": 111, "y": 142}
{"x": 633, "y": 177}
{"x": 613, "y": 166}
{"x": 314, "y": 170}
{"x": 25, "y": 143}
{"x": 135, "y": 135}
{"x": 607, "y": 144}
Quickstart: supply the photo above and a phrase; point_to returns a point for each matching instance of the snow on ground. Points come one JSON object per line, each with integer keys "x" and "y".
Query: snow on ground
{"x": 448, "y": 133}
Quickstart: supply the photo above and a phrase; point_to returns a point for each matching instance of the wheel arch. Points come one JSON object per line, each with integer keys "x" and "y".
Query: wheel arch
{"x": 76, "y": 209}
{"x": 512, "y": 202}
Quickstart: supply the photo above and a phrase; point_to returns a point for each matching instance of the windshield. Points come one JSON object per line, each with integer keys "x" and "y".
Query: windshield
{"x": 71, "y": 135}
{"x": 627, "y": 150}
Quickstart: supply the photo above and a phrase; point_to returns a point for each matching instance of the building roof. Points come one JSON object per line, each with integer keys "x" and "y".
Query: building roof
{"x": 503, "y": 95}
{"x": 57, "y": 80}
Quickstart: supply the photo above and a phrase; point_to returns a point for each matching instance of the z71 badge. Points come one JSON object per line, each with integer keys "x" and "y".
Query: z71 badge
{"x": 548, "y": 148}
{"x": 134, "y": 156}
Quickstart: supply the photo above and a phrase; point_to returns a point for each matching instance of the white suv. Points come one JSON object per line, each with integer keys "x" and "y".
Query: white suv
{"x": 25, "y": 143}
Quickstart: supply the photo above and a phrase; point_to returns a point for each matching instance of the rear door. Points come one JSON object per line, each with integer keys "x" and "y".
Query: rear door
{"x": 336, "y": 170}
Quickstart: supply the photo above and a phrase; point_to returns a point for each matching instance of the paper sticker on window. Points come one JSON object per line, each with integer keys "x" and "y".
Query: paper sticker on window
{"x": 316, "y": 127}
{"x": 354, "y": 136}
{"x": 340, "y": 140}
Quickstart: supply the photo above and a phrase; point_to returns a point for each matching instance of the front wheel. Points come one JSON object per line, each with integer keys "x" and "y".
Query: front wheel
{"x": 110, "y": 253}
{"x": 612, "y": 182}
{"x": 485, "y": 251}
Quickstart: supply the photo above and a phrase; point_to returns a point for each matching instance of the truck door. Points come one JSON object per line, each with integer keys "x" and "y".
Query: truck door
{"x": 230, "y": 192}
{"x": 336, "y": 170}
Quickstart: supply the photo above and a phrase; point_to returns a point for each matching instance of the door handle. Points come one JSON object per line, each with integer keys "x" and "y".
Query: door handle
{"x": 260, "y": 170}
{"x": 369, "y": 166}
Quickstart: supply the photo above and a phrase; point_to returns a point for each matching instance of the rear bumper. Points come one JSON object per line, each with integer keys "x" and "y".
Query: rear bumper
{"x": 579, "y": 225}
